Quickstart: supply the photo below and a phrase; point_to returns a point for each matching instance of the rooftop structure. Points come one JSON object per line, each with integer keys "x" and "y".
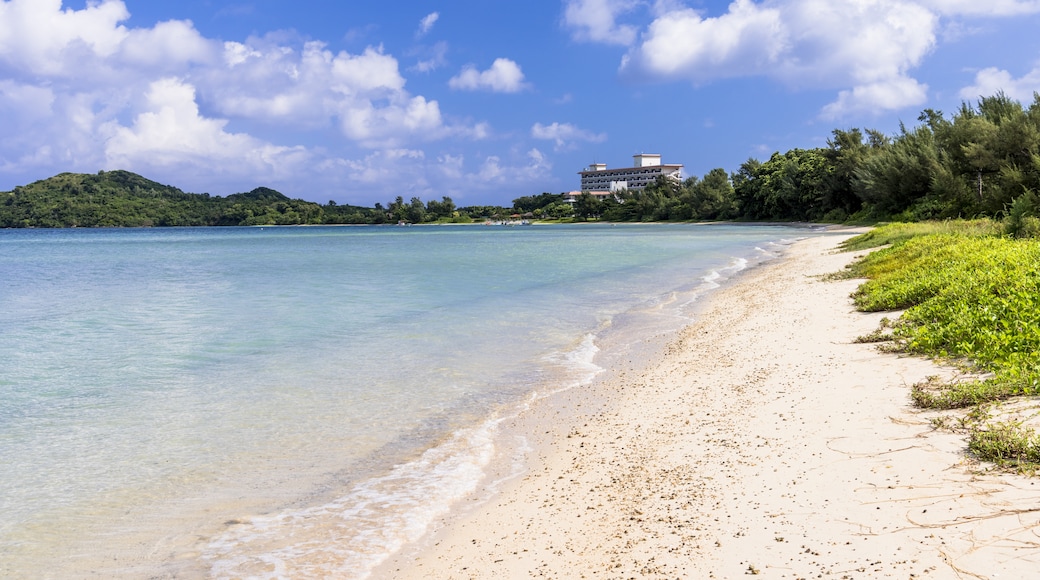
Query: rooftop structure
{"x": 646, "y": 168}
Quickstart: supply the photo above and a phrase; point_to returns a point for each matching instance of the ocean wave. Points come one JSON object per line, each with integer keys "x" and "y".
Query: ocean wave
{"x": 351, "y": 536}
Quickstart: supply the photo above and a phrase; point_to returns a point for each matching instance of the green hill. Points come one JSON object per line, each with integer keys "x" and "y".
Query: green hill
{"x": 125, "y": 199}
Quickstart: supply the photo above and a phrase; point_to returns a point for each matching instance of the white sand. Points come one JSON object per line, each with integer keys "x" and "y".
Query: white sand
{"x": 763, "y": 442}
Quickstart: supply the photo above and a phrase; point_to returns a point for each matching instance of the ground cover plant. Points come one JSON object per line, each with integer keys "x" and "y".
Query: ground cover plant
{"x": 968, "y": 296}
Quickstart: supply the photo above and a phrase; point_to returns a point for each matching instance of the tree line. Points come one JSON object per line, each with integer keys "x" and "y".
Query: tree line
{"x": 125, "y": 199}
{"x": 981, "y": 161}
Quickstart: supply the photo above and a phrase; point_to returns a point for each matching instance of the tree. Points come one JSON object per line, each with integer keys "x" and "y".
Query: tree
{"x": 711, "y": 198}
{"x": 845, "y": 153}
{"x": 529, "y": 203}
{"x": 587, "y": 206}
{"x": 416, "y": 211}
{"x": 899, "y": 175}
{"x": 747, "y": 189}
{"x": 559, "y": 209}
{"x": 790, "y": 186}
{"x": 441, "y": 209}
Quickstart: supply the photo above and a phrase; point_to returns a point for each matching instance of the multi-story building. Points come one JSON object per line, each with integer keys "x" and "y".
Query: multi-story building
{"x": 646, "y": 169}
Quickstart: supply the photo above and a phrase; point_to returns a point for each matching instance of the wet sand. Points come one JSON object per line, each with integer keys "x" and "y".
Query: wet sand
{"x": 763, "y": 441}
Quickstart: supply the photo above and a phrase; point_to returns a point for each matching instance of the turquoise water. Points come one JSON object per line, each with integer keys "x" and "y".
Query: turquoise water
{"x": 300, "y": 402}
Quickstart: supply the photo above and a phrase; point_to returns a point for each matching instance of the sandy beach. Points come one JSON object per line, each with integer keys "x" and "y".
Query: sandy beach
{"x": 763, "y": 441}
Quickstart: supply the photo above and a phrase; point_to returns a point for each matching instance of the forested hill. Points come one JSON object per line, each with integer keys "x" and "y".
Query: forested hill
{"x": 125, "y": 199}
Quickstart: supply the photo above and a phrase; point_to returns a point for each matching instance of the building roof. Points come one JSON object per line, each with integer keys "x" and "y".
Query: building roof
{"x": 661, "y": 166}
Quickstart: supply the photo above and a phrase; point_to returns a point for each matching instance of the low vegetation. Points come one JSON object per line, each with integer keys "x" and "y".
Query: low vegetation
{"x": 969, "y": 296}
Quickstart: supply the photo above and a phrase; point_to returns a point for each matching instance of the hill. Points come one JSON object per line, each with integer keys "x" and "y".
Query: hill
{"x": 125, "y": 199}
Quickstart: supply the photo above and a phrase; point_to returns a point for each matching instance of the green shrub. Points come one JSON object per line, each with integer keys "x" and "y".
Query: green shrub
{"x": 967, "y": 297}
{"x": 1005, "y": 443}
{"x": 898, "y": 232}
{"x": 1021, "y": 216}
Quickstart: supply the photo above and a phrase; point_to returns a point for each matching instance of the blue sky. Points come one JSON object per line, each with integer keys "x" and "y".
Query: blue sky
{"x": 482, "y": 101}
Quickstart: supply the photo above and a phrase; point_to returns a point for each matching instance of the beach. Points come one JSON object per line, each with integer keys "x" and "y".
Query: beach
{"x": 763, "y": 441}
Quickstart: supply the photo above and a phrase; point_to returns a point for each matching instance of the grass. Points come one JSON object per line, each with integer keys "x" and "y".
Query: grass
{"x": 896, "y": 232}
{"x": 936, "y": 395}
{"x": 1008, "y": 443}
{"x": 967, "y": 294}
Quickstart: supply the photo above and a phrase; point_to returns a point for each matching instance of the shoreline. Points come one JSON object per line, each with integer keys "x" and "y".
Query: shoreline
{"x": 761, "y": 441}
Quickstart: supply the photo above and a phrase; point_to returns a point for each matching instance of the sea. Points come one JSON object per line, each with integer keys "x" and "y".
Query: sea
{"x": 303, "y": 402}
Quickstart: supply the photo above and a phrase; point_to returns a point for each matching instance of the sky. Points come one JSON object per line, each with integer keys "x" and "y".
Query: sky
{"x": 482, "y": 101}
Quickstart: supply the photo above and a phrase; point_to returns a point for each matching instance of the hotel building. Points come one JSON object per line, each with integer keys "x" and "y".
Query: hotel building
{"x": 645, "y": 170}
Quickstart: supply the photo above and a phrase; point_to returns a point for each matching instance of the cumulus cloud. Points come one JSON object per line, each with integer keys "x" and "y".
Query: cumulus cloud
{"x": 414, "y": 173}
{"x": 371, "y": 124}
{"x": 436, "y": 57}
{"x": 385, "y": 166}
{"x": 89, "y": 55}
{"x": 596, "y": 21}
{"x": 867, "y": 45}
{"x": 890, "y": 94}
{"x": 362, "y": 94}
{"x": 504, "y": 76}
{"x": 311, "y": 87}
{"x": 38, "y": 35}
{"x": 565, "y": 135}
{"x": 426, "y": 24}
{"x": 30, "y": 102}
{"x": 865, "y": 48}
{"x": 992, "y": 80}
{"x": 748, "y": 39}
{"x": 493, "y": 171}
{"x": 170, "y": 132}
{"x": 976, "y": 8}
{"x": 39, "y": 38}
{"x": 82, "y": 90}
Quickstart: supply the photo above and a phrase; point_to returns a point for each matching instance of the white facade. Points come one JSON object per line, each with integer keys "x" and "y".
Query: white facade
{"x": 571, "y": 197}
{"x": 646, "y": 168}
{"x": 645, "y": 160}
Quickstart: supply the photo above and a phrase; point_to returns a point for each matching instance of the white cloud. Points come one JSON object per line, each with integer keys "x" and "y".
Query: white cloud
{"x": 170, "y": 133}
{"x": 992, "y": 80}
{"x": 436, "y": 57}
{"x": 504, "y": 76}
{"x": 373, "y": 125}
{"x": 174, "y": 42}
{"x": 89, "y": 56}
{"x": 267, "y": 81}
{"x": 565, "y": 135}
{"x": 385, "y": 166}
{"x": 426, "y": 24}
{"x": 868, "y": 45}
{"x": 865, "y": 48}
{"x": 538, "y": 160}
{"x": 38, "y": 35}
{"x": 450, "y": 166}
{"x": 364, "y": 94}
{"x": 39, "y": 38}
{"x": 410, "y": 172}
{"x": 681, "y": 44}
{"x": 28, "y": 101}
{"x": 596, "y": 21}
{"x": 45, "y": 127}
{"x": 890, "y": 94}
{"x": 492, "y": 171}
{"x": 81, "y": 90}
{"x": 988, "y": 8}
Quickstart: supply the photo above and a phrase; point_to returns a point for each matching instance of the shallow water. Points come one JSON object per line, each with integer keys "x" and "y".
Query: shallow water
{"x": 273, "y": 402}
